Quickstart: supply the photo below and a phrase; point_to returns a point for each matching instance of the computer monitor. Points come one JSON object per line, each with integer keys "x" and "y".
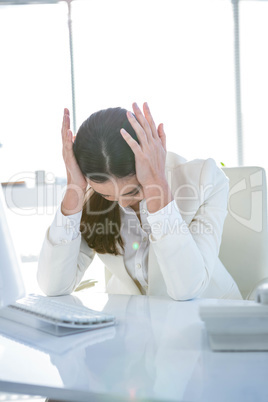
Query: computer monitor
{"x": 11, "y": 283}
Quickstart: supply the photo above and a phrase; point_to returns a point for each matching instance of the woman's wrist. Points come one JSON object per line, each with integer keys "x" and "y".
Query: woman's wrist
{"x": 73, "y": 200}
{"x": 157, "y": 195}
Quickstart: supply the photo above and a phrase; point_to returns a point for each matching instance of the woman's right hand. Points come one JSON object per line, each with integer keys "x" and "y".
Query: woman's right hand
{"x": 74, "y": 174}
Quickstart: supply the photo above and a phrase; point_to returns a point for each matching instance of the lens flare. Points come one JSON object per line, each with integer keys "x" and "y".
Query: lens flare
{"x": 135, "y": 245}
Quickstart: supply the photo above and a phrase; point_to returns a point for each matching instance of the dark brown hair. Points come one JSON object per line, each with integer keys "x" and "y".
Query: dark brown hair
{"x": 102, "y": 153}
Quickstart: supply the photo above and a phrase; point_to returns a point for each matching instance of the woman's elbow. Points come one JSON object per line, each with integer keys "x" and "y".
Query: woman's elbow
{"x": 186, "y": 293}
{"x": 49, "y": 288}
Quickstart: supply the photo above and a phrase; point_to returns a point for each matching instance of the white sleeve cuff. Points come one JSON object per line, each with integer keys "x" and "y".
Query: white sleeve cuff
{"x": 64, "y": 229}
{"x": 166, "y": 220}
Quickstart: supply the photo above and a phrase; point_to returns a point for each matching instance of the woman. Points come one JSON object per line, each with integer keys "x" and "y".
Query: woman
{"x": 154, "y": 219}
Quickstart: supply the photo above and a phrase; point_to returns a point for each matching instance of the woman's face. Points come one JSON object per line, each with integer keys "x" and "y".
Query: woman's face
{"x": 127, "y": 191}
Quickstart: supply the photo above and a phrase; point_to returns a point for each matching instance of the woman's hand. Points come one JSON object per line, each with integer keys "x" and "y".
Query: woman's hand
{"x": 74, "y": 174}
{"x": 150, "y": 157}
{"x": 76, "y": 183}
{"x": 150, "y": 153}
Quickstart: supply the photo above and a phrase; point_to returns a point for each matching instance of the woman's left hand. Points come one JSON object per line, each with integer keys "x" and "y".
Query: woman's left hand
{"x": 150, "y": 157}
{"x": 150, "y": 153}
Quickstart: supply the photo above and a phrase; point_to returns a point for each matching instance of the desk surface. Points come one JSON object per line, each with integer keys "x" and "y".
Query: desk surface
{"x": 158, "y": 351}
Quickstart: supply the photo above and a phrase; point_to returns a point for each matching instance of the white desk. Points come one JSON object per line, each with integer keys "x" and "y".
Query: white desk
{"x": 158, "y": 351}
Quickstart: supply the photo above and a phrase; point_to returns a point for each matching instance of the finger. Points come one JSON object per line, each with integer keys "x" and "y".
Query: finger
{"x": 162, "y": 135}
{"x": 65, "y": 124}
{"x": 66, "y": 137}
{"x": 150, "y": 120}
{"x": 65, "y": 112}
{"x": 68, "y": 140}
{"x": 131, "y": 142}
{"x": 141, "y": 119}
{"x": 142, "y": 137}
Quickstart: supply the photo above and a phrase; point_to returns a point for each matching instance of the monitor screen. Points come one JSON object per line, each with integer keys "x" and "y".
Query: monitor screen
{"x": 11, "y": 283}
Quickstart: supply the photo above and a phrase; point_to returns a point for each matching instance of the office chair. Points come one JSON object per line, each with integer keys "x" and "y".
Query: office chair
{"x": 244, "y": 247}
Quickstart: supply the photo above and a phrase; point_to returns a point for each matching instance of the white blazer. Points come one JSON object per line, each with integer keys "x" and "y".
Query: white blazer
{"x": 183, "y": 264}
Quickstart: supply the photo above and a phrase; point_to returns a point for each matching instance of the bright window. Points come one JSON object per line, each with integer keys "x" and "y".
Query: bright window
{"x": 254, "y": 80}
{"x": 177, "y": 55}
{"x": 35, "y": 86}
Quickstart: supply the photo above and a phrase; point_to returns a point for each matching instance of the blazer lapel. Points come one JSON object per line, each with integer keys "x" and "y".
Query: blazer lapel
{"x": 155, "y": 278}
{"x": 115, "y": 264}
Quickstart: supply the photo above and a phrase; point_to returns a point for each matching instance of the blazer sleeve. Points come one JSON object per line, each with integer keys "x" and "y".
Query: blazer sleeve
{"x": 187, "y": 253}
{"x": 61, "y": 267}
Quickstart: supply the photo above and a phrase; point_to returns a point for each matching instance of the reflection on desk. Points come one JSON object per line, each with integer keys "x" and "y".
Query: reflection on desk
{"x": 158, "y": 351}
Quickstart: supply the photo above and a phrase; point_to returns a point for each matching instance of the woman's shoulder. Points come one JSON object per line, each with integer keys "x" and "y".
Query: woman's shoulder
{"x": 174, "y": 160}
{"x": 195, "y": 170}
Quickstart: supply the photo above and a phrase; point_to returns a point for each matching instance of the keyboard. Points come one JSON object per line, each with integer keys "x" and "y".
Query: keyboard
{"x": 54, "y": 316}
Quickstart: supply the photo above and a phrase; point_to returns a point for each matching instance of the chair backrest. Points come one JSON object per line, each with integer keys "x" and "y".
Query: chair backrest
{"x": 244, "y": 247}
